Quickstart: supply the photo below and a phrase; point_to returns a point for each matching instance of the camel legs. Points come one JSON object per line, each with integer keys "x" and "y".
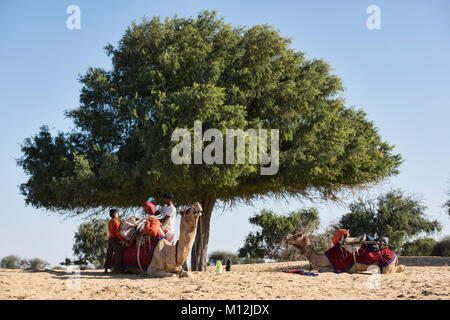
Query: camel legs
{"x": 155, "y": 273}
{"x": 393, "y": 267}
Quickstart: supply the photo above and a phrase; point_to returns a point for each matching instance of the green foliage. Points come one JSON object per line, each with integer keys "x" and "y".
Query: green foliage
{"x": 10, "y": 262}
{"x": 223, "y": 256}
{"x": 419, "y": 247}
{"x": 165, "y": 74}
{"x": 268, "y": 241}
{"x": 251, "y": 260}
{"x": 442, "y": 248}
{"x": 15, "y": 262}
{"x": 58, "y": 268}
{"x": 91, "y": 242}
{"x": 392, "y": 215}
{"x": 234, "y": 258}
{"x": 37, "y": 264}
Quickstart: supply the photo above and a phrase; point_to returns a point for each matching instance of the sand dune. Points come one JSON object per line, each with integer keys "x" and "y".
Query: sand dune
{"x": 423, "y": 279}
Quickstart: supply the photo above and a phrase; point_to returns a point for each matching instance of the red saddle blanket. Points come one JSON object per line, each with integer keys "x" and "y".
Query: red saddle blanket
{"x": 130, "y": 260}
{"x": 342, "y": 260}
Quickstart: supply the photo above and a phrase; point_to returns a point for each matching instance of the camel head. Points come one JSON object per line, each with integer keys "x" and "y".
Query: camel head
{"x": 189, "y": 217}
{"x": 299, "y": 240}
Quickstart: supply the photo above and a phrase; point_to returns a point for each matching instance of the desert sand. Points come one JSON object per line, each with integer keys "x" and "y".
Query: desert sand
{"x": 424, "y": 278}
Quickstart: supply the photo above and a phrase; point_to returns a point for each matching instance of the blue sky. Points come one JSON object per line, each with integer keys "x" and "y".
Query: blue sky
{"x": 399, "y": 75}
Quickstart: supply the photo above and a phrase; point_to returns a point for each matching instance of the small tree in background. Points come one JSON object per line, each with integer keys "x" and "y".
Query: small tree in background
{"x": 24, "y": 263}
{"x": 91, "y": 242}
{"x": 268, "y": 242}
{"x": 419, "y": 247}
{"x": 15, "y": 262}
{"x": 37, "y": 264}
{"x": 442, "y": 248}
{"x": 223, "y": 256}
{"x": 11, "y": 262}
{"x": 392, "y": 215}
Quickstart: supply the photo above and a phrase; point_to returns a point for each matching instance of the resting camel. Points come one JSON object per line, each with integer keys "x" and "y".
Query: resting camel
{"x": 169, "y": 259}
{"x": 302, "y": 242}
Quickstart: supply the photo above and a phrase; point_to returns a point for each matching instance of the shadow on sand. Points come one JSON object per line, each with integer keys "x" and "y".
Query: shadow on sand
{"x": 88, "y": 274}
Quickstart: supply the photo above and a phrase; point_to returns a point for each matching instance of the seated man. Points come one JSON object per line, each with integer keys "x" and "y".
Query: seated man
{"x": 167, "y": 217}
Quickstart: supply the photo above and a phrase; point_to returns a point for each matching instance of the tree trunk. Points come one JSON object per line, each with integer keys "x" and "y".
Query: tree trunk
{"x": 200, "y": 247}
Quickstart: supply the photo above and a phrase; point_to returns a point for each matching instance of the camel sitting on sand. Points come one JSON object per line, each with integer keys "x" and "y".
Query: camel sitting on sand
{"x": 302, "y": 242}
{"x": 168, "y": 259}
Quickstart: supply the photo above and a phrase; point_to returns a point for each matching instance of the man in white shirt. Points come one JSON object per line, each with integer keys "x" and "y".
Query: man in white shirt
{"x": 167, "y": 215}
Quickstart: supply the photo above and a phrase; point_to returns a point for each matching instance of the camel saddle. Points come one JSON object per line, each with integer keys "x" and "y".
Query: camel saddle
{"x": 352, "y": 244}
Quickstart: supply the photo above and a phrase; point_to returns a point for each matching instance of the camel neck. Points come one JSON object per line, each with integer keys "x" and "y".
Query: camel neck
{"x": 184, "y": 243}
{"x": 317, "y": 259}
{"x": 308, "y": 251}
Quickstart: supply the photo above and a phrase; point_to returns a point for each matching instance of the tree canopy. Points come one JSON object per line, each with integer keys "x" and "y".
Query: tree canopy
{"x": 419, "y": 247}
{"x": 167, "y": 73}
{"x": 267, "y": 242}
{"x": 15, "y": 262}
{"x": 91, "y": 242}
{"x": 394, "y": 215}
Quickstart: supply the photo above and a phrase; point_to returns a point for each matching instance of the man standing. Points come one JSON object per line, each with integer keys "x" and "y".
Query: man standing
{"x": 114, "y": 243}
{"x": 167, "y": 217}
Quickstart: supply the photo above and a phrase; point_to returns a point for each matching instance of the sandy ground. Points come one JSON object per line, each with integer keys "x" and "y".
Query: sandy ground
{"x": 423, "y": 279}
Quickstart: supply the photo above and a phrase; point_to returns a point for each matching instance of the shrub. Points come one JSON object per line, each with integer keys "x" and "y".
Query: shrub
{"x": 11, "y": 262}
{"x": 419, "y": 247}
{"x": 442, "y": 248}
{"x": 250, "y": 260}
{"x": 37, "y": 263}
{"x": 223, "y": 256}
{"x": 58, "y": 268}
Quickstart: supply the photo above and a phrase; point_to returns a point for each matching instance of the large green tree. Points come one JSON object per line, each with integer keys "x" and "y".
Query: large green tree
{"x": 268, "y": 240}
{"x": 91, "y": 242}
{"x": 167, "y": 73}
{"x": 394, "y": 215}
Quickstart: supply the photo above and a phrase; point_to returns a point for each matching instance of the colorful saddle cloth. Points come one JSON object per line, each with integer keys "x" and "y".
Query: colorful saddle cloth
{"x": 130, "y": 253}
{"x": 342, "y": 260}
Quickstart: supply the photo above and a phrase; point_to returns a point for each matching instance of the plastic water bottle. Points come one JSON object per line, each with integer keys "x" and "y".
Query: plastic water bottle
{"x": 219, "y": 267}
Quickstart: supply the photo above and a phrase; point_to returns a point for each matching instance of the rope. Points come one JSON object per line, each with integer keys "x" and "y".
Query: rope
{"x": 139, "y": 248}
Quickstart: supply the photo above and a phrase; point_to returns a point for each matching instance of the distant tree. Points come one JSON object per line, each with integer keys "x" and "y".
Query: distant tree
{"x": 167, "y": 73}
{"x": 252, "y": 260}
{"x": 268, "y": 242}
{"x": 24, "y": 263}
{"x": 419, "y": 247}
{"x": 91, "y": 242}
{"x": 37, "y": 264}
{"x": 442, "y": 248}
{"x": 11, "y": 262}
{"x": 15, "y": 262}
{"x": 223, "y": 256}
{"x": 392, "y": 215}
{"x": 66, "y": 262}
{"x": 58, "y": 268}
